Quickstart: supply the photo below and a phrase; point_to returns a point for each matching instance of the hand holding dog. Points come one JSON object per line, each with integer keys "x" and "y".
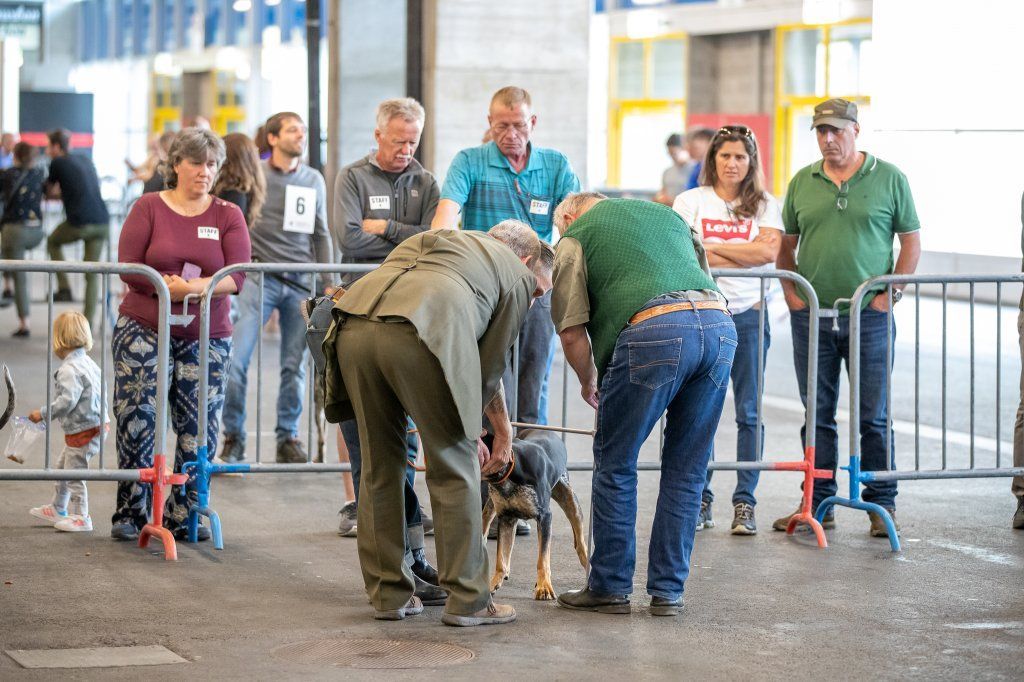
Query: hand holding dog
{"x": 499, "y": 456}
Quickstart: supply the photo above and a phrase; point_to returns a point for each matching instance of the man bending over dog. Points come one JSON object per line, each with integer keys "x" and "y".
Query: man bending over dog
{"x": 427, "y": 335}
{"x": 646, "y": 330}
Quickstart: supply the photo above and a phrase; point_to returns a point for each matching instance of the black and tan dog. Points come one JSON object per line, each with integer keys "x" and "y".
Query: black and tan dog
{"x": 524, "y": 490}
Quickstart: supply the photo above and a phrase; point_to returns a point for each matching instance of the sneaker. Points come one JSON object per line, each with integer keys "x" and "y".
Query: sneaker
{"x": 422, "y": 569}
{"x": 202, "y": 534}
{"x": 492, "y": 614}
{"x": 233, "y": 450}
{"x": 411, "y": 608}
{"x": 74, "y": 524}
{"x": 124, "y": 531}
{"x": 522, "y": 528}
{"x": 663, "y": 607}
{"x": 48, "y": 513}
{"x": 428, "y": 523}
{"x": 63, "y": 296}
{"x": 585, "y": 600}
{"x": 743, "y": 520}
{"x": 1018, "y": 516}
{"x": 347, "y": 527}
{"x": 878, "y": 529}
{"x": 705, "y": 520}
{"x": 828, "y": 522}
{"x": 291, "y": 452}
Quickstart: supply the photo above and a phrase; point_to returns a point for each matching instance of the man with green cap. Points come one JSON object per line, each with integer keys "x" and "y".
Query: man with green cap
{"x": 427, "y": 336}
{"x": 647, "y": 332}
{"x": 843, "y": 212}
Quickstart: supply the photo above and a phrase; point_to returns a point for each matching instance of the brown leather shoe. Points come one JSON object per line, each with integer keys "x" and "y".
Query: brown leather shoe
{"x": 492, "y": 614}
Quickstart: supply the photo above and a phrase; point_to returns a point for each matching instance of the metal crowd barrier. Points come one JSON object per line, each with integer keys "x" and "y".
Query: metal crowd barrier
{"x": 203, "y": 468}
{"x": 201, "y": 471}
{"x": 157, "y": 474}
{"x": 805, "y": 465}
{"x": 857, "y": 475}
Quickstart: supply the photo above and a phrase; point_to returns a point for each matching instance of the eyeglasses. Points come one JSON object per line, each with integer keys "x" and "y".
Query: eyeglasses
{"x": 736, "y": 130}
{"x": 844, "y": 189}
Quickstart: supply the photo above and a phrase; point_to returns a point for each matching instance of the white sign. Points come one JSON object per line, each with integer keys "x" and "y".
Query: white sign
{"x": 381, "y": 203}
{"x": 539, "y": 207}
{"x": 299, "y": 209}
{"x": 209, "y": 233}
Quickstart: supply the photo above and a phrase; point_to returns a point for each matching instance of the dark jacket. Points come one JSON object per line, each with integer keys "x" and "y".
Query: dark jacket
{"x": 363, "y": 190}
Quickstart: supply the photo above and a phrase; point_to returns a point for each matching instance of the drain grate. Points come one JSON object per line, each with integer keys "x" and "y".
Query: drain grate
{"x": 373, "y": 653}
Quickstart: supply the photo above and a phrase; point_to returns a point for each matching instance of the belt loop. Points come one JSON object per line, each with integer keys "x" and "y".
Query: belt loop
{"x": 693, "y": 306}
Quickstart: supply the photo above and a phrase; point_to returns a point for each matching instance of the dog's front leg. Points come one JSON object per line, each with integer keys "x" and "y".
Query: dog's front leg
{"x": 503, "y": 555}
{"x": 543, "y": 591}
{"x": 488, "y": 514}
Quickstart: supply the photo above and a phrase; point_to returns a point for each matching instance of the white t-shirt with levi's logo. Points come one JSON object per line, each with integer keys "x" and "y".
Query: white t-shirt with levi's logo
{"x": 712, "y": 218}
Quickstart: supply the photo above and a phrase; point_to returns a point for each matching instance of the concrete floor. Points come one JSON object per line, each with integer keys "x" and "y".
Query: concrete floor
{"x": 949, "y": 606}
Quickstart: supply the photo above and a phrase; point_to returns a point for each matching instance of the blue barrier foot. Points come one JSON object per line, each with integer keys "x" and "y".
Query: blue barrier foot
{"x": 890, "y": 525}
{"x": 825, "y": 505}
{"x": 218, "y": 539}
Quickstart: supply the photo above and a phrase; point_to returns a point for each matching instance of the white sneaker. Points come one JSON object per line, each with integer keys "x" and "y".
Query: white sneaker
{"x": 74, "y": 524}
{"x": 48, "y": 513}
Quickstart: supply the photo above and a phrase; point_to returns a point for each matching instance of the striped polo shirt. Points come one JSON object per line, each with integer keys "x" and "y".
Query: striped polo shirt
{"x": 483, "y": 183}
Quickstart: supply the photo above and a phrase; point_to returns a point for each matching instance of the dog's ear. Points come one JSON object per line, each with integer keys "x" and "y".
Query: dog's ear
{"x": 11, "y": 398}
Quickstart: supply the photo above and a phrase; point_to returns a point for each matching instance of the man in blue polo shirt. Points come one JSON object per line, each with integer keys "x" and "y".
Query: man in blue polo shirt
{"x": 510, "y": 178}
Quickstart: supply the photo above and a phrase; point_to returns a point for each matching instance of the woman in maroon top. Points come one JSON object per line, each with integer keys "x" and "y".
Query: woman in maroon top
{"x": 186, "y": 234}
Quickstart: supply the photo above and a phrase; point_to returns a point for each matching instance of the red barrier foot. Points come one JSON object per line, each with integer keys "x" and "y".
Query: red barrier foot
{"x": 807, "y": 518}
{"x": 159, "y": 478}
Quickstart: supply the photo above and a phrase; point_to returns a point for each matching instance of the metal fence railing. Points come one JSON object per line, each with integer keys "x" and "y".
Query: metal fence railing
{"x": 157, "y": 474}
{"x": 942, "y": 463}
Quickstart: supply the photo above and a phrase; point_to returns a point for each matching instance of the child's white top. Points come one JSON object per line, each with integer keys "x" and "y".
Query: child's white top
{"x": 78, "y": 404}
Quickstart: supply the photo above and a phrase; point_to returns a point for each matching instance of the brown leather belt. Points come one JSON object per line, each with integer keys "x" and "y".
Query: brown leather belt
{"x": 674, "y": 307}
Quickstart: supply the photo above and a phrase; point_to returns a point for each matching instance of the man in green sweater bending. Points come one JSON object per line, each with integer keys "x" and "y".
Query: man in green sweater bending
{"x": 646, "y": 330}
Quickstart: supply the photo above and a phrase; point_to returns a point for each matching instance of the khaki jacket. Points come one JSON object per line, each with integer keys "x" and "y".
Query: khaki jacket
{"x": 466, "y": 294}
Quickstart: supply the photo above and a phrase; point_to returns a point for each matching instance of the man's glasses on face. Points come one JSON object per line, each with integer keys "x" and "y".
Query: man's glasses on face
{"x": 503, "y": 128}
{"x": 844, "y": 189}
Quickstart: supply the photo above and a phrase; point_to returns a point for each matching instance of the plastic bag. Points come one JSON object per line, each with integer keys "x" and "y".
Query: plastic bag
{"x": 23, "y": 433}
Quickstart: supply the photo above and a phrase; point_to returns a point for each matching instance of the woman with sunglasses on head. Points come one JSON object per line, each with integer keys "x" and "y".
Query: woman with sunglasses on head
{"x": 741, "y": 227}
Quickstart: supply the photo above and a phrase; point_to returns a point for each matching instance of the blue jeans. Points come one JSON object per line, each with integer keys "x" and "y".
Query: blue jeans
{"x": 678, "y": 362}
{"x": 744, "y": 393}
{"x": 833, "y": 350}
{"x": 350, "y": 432}
{"x": 286, "y": 300}
{"x": 536, "y": 354}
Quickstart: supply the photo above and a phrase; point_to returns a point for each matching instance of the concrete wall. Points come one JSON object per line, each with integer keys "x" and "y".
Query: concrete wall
{"x": 731, "y": 73}
{"x": 372, "y": 68}
{"x": 470, "y": 54}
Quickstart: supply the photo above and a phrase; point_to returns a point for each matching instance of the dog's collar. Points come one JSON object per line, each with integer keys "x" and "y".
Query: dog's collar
{"x": 505, "y": 476}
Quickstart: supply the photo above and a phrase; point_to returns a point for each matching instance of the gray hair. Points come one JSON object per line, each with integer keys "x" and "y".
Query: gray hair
{"x": 405, "y": 107}
{"x": 196, "y": 145}
{"x": 573, "y": 204}
{"x": 546, "y": 261}
{"x": 518, "y": 236}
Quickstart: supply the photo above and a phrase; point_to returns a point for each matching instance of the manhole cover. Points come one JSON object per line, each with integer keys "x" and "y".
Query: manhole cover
{"x": 373, "y": 653}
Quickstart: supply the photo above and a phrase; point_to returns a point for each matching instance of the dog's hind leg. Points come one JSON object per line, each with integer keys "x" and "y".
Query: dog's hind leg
{"x": 503, "y": 555}
{"x": 488, "y": 516}
{"x": 543, "y": 590}
{"x": 565, "y": 496}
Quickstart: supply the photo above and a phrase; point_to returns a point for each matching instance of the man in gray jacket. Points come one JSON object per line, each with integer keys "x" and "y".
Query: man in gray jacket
{"x": 381, "y": 200}
{"x": 386, "y": 197}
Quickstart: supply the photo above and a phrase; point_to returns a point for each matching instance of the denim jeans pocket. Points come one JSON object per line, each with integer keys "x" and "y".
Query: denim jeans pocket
{"x": 653, "y": 363}
{"x": 723, "y": 366}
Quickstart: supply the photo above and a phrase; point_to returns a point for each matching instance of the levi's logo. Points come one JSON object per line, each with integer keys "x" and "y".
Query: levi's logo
{"x": 726, "y": 229}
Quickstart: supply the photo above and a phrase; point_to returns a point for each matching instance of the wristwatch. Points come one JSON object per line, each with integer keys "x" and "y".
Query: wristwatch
{"x": 897, "y": 294}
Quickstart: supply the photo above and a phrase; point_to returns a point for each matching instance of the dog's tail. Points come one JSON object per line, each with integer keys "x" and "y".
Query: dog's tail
{"x": 11, "y": 398}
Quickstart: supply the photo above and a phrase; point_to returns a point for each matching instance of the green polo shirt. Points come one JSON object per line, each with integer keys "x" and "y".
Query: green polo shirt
{"x": 840, "y": 249}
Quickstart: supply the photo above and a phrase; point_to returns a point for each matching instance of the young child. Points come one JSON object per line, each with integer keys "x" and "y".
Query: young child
{"x": 78, "y": 406}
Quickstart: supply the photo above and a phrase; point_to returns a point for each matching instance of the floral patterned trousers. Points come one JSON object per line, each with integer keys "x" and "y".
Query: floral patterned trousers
{"x": 135, "y": 374}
